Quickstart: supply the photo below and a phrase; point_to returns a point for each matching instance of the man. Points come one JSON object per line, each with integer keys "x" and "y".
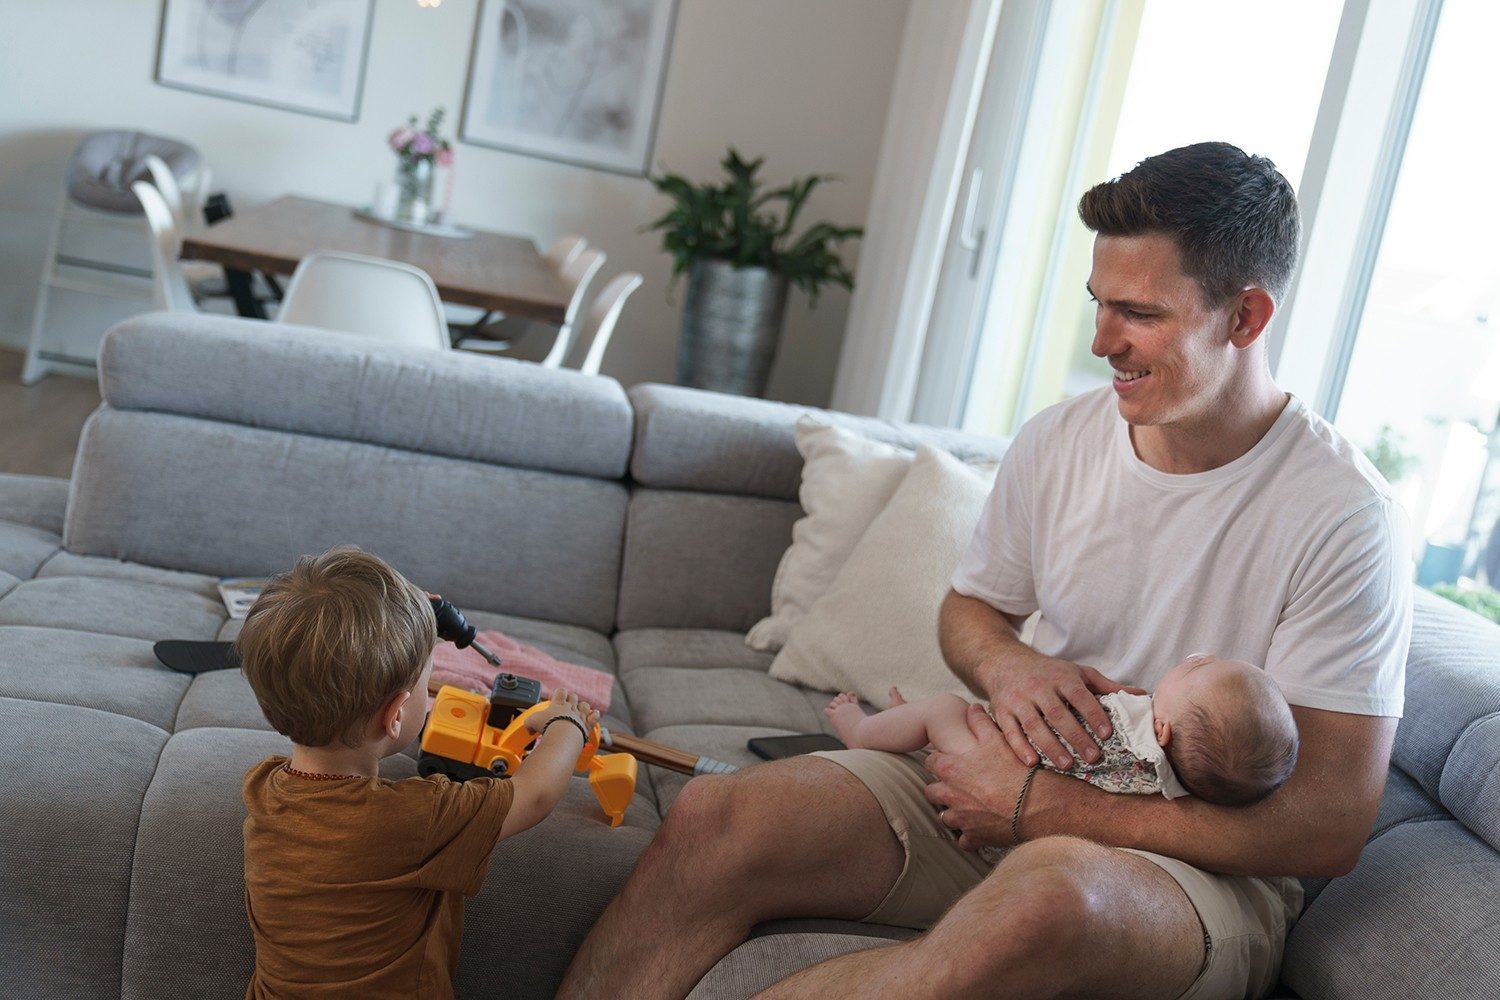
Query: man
{"x": 1192, "y": 506}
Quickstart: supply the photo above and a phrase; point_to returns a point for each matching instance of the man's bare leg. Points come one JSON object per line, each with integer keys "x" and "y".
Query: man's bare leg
{"x": 800, "y": 837}
{"x": 1059, "y": 917}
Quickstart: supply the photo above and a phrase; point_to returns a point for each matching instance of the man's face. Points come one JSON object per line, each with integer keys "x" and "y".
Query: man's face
{"x": 1171, "y": 353}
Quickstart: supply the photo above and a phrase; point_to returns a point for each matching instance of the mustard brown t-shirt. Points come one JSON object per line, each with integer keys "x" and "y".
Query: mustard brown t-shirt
{"x": 354, "y": 886}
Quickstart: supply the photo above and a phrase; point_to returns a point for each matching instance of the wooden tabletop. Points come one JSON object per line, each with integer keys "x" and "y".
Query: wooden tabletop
{"x": 488, "y": 270}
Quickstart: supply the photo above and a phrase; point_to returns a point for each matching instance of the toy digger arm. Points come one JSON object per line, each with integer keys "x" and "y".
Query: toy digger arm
{"x": 542, "y": 778}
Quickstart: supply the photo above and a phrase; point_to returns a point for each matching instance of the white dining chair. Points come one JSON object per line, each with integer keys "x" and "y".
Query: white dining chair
{"x": 171, "y": 289}
{"x": 511, "y": 331}
{"x": 564, "y": 250}
{"x": 350, "y": 293}
{"x": 466, "y": 324}
{"x": 602, "y": 317}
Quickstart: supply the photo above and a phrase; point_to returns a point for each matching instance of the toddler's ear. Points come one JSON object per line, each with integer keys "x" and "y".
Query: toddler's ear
{"x": 390, "y": 715}
{"x": 1163, "y": 732}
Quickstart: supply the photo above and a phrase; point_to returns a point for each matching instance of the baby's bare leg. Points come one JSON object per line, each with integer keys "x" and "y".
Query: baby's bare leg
{"x": 941, "y": 721}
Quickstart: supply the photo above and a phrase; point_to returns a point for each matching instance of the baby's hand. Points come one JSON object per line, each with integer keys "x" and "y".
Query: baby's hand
{"x": 564, "y": 704}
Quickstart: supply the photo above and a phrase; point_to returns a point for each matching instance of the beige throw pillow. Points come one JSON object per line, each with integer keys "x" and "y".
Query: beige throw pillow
{"x": 876, "y": 626}
{"x": 846, "y": 481}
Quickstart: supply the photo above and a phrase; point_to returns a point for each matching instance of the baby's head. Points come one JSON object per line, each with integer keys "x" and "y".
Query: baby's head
{"x": 340, "y": 649}
{"x": 1227, "y": 729}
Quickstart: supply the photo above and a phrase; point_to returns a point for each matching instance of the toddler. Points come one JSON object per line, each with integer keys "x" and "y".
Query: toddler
{"x": 354, "y": 884}
{"x": 1217, "y": 729}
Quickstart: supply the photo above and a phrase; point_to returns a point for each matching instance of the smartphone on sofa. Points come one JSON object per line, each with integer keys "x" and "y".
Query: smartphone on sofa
{"x": 777, "y": 747}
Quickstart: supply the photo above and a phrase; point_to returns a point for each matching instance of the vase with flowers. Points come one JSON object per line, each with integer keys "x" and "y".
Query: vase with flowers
{"x": 419, "y": 152}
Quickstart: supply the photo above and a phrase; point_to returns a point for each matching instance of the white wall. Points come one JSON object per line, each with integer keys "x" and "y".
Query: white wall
{"x": 803, "y": 82}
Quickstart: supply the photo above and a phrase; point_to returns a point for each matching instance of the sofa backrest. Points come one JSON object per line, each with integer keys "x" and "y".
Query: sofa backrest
{"x": 232, "y": 446}
{"x": 715, "y": 496}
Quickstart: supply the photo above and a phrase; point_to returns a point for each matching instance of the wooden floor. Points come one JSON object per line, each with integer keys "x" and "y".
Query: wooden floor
{"x": 39, "y": 424}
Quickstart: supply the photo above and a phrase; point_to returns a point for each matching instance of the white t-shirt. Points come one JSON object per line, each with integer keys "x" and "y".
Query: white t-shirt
{"x": 1293, "y": 556}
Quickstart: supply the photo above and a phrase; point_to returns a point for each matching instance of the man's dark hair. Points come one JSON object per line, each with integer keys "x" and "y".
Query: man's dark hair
{"x": 1233, "y": 216}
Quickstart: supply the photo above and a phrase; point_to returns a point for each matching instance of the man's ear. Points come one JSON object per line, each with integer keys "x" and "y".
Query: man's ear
{"x": 1163, "y": 732}
{"x": 390, "y": 715}
{"x": 1252, "y": 312}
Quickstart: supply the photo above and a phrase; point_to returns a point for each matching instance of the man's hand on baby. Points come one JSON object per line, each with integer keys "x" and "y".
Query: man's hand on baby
{"x": 976, "y": 791}
{"x": 1033, "y": 700}
{"x": 564, "y": 704}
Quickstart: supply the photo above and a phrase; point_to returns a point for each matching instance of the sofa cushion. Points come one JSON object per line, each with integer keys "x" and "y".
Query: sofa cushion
{"x": 188, "y": 883}
{"x": 67, "y": 832}
{"x": 1403, "y": 802}
{"x": 113, "y": 607}
{"x": 24, "y": 548}
{"x": 1418, "y": 917}
{"x": 336, "y": 385}
{"x": 1452, "y": 681}
{"x": 71, "y": 564}
{"x": 762, "y": 961}
{"x": 718, "y": 443}
{"x": 701, "y": 560}
{"x": 227, "y": 499}
{"x": 38, "y": 501}
{"x": 105, "y": 672}
{"x": 686, "y": 647}
{"x": 1470, "y": 785}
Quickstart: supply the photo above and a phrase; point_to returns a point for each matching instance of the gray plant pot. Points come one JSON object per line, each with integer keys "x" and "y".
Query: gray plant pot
{"x": 731, "y": 323}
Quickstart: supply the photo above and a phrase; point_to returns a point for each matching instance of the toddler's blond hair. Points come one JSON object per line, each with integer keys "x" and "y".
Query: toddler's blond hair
{"x": 327, "y": 644}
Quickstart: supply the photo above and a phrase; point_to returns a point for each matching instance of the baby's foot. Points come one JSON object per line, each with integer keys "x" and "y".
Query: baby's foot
{"x": 895, "y": 695}
{"x": 845, "y": 714}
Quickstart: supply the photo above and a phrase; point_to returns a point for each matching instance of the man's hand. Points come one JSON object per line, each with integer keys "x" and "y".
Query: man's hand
{"x": 1033, "y": 697}
{"x": 977, "y": 790}
{"x": 1026, "y": 690}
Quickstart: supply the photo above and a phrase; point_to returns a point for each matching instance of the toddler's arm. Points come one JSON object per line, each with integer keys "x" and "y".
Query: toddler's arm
{"x": 543, "y": 776}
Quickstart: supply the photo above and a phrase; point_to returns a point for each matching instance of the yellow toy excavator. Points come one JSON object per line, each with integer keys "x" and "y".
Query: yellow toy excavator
{"x": 471, "y": 736}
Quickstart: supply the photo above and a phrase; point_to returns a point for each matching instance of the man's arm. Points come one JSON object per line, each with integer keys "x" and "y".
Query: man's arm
{"x": 1313, "y": 826}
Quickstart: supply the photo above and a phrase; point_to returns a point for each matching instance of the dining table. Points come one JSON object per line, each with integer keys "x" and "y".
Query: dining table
{"x": 495, "y": 272}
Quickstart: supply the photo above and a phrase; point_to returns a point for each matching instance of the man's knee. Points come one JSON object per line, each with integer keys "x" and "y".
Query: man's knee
{"x": 1055, "y": 882}
{"x": 1041, "y": 902}
{"x": 716, "y": 810}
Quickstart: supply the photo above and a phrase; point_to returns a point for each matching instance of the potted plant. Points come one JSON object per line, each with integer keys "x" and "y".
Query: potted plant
{"x": 740, "y": 257}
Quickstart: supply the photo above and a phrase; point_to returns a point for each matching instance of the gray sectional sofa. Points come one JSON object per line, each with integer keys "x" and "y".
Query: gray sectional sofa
{"x": 635, "y": 533}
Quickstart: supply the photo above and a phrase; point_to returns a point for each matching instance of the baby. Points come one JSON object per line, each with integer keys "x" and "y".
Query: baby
{"x": 1217, "y": 729}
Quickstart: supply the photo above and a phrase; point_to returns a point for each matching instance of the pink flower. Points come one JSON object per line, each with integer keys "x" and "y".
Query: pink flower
{"x": 445, "y": 157}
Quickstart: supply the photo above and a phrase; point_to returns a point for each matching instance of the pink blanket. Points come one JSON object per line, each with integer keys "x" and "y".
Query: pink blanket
{"x": 467, "y": 669}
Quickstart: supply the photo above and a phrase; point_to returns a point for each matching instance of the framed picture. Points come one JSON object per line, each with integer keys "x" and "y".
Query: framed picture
{"x": 301, "y": 55}
{"x": 573, "y": 80}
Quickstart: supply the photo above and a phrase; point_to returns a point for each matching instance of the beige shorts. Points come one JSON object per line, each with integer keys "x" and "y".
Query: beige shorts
{"x": 1245, "y": 919}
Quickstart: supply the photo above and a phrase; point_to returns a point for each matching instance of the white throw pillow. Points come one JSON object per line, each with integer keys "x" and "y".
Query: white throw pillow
{"x": 876, "y": 626}
{"x": 846, "y": 481}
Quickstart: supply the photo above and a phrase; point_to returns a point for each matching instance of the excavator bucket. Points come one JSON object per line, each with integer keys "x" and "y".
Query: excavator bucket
{"x": 612, "y": 776}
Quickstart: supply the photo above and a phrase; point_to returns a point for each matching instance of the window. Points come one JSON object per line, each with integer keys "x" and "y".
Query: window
{"x": 1187, "y": 84}
{"x": 1422, "y": 390}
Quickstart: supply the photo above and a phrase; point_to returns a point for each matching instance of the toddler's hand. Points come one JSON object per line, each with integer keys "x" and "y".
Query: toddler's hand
{"x": 564, "y": 704}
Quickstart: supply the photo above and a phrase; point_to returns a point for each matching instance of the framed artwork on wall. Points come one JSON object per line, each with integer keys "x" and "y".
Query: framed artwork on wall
{"x": 578, "y": 81}
{"x": 300, "y": 55}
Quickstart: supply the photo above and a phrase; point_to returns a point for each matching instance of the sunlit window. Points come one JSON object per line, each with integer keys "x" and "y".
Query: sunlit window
{"x": 1423, "y": 388}
{"x": 1206, "y": 71}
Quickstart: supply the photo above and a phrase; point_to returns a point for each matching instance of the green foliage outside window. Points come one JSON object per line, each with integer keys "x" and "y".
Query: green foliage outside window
{"x": 1481, "y": 600}
{"x": 1388, "y": 457}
